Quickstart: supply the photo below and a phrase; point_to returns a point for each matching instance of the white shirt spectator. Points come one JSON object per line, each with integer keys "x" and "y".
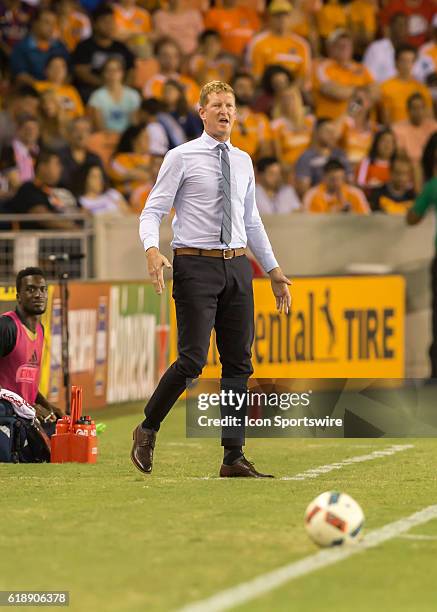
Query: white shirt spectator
{"x": 284, "y": 201}
{"x": 379, "y": 59}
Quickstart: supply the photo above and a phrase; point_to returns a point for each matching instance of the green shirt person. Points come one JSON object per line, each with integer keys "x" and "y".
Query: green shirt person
{"x": 424, "y": 201}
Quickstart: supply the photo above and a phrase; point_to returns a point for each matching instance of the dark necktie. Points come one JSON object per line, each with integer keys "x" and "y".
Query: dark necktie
{"x": 226, "y": 229}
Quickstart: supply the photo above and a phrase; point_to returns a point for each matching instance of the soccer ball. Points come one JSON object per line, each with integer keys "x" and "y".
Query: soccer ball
{"x": 333, "y": 519}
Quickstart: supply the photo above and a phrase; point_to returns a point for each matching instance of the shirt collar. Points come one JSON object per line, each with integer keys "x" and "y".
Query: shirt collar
{"x": 211, "y": 142}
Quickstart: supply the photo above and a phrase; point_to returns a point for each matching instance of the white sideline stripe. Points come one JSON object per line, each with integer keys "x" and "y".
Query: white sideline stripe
{"x": 246, "y": 591}
{"x": 338, "y": 465}
{"x": 412, "y": 536}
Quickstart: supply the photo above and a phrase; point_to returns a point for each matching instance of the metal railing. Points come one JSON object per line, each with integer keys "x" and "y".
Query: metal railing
{"x": 53, "y": 250}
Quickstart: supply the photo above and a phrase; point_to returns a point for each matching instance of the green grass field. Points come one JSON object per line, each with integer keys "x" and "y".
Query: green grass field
{"x": 120, "y": 541}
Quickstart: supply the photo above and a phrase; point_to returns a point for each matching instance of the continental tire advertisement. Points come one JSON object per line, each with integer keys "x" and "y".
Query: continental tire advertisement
{"x": 123, "y": 336}
{"x": 338, "y": 327}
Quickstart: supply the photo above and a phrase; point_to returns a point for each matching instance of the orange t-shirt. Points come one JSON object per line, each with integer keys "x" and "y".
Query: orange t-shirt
{"x": 318, "y": 200}
{"x": 291, "y": 142}
{"x": 330, "y": 17}
{"x": 354, "y": 141}
{"x": 373, "y": 174}
{"x": 395, "y": 93}
{"x": 73, "y": 29}
{"x": 68, "y": 96}
{"x": 250, "y": 130}
{"x": 135, "y": 20}
{"x": 154, "y": 86}
{"x": 362, "y": 14}
{"x": 236, "y": 26}
{"x": 204, "y": 70}
{"x": 291, "y": 51}
{"x": 353, "y": 74}
{"x": 120, "y": 166}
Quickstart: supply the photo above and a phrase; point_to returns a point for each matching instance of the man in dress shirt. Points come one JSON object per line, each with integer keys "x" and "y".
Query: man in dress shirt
{"x": 211, "y": 185}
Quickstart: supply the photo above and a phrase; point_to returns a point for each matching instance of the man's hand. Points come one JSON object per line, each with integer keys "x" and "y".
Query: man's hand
{"x": 155, "y": 264}
{"x": 280, "y": 289}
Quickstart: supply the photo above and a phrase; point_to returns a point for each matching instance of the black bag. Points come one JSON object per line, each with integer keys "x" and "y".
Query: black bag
{"x": 21, "y": 441}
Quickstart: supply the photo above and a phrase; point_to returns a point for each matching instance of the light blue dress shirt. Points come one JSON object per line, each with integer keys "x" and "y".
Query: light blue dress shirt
{"x": 189, "y": 180}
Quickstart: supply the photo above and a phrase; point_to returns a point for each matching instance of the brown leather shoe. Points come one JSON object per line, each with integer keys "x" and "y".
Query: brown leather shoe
{"x": 242, "y": 468}
{"x": 142, "y": 449}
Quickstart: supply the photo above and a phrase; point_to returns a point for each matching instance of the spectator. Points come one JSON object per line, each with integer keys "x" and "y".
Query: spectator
{"x": 356, "y": 127}
{"x": 277, "y": 45}
{"x": 396, "y": 196}
{"x": 274, "y": 81}
{"x": 40, "y": 196}
{"x": 56, "y": 73}
{"x": 396, "y": 91}
{"x": 424, "y": 202}
{"x": 14, "y": 24}
{"x": 23, "y": 101}
{"x": 374, "y": 170}
{"x": 94, "y": 194}
{"x": 419, "y": 14}
{"x": 272, "y": 194}
{"x": 140, "y": 194}
{"x": 92, "y": 54}
{"x": 292, "y": 128}
{"x": 23, "y": 150}
{"x": 52, "y": 120}
{"x": 337, "y": 78}
{"x": 175, "y": 103}
{"x": 211, "y": 63}
{"x": 379, "y": 57}
{"x": 169, "y": 58}
{"x": 309, "y": 166}
{"x": 251, "y": 131}
{"x": 29, "y": 57}
{"x": 181, "y": 24}
{"x": 73, "y": 24}
{"x": 129, "y": 167}
{"x": 114, "y": 106}
{"x": 132, "y": 23}
{"x": 9, "y": 174}
{"x": 331, "y": 16}
{"x": 413, "y": 134}
{"x": 76, "y": 155}
{"x": 236, "y": 24}
{"x": 426, "y": 64}
{"x": 362, "y": 22}
{"x": 159, "y": 142}
{"x": 334, "y": 194}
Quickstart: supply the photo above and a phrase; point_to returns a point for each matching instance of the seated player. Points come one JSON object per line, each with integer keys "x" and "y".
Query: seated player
{"x": 22, "y": 343}
{"x": 396, "y": 196}
{"x": 334, "y": 194}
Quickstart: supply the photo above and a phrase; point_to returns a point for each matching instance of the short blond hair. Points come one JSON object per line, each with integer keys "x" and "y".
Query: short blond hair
{"x": 214, "y": 87}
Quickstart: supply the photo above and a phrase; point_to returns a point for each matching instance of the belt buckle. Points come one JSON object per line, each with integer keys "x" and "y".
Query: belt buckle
{"x": 231, "y": 251}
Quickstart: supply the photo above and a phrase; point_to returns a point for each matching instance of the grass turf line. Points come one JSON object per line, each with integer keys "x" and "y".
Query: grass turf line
{"x": 120, "y": 541}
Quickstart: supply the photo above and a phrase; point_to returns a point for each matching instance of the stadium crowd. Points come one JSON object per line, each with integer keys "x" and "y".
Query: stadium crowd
{"x": 335, "y": 100}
